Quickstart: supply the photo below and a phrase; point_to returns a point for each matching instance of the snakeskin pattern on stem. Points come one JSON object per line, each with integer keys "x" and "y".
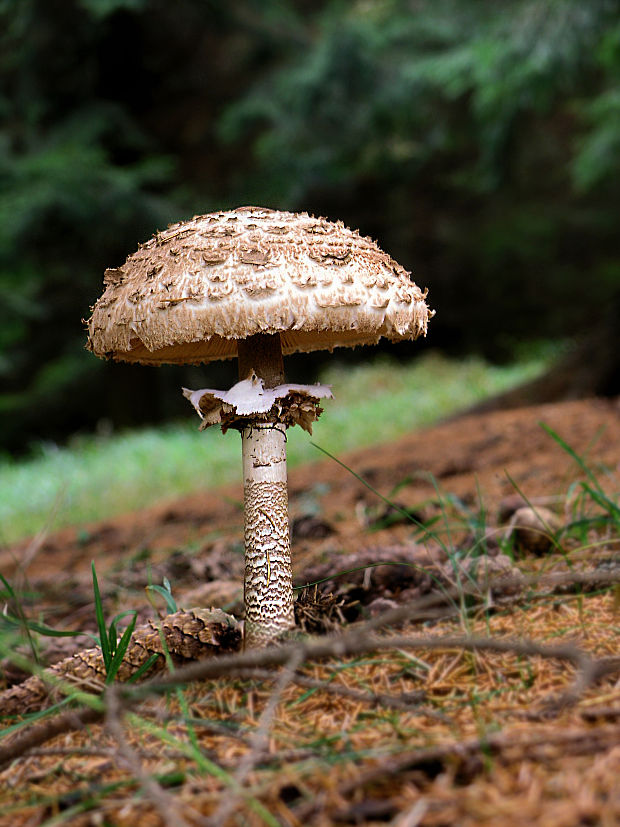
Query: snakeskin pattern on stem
{"x": 268, "y": 576}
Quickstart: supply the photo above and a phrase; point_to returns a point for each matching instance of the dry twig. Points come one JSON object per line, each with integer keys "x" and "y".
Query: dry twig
{"x": 259, "y": 742}
{"x": 375, "y": 699}
{"x": 589, "y": 671}
{"x": 358, "y": 640}
{"x": 468, "y": 757}
{"x": 165, "y": 805}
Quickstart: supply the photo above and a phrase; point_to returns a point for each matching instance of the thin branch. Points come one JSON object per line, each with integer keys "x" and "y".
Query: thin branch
{"x": 259, "y": 742}
{"x": 356, "y": 641}
{"x": 601, "y": 713}
{"x": 470, "y": 755}
{"x": 204, "y": 724}
{"x": 165, "y": 805}
{"x": 376, "y": 699}
{"x": 352, "y": 643}
{"x": 105, "y": 752}
{"x": 16, "y": 745}
{"x": 268, "y": 758}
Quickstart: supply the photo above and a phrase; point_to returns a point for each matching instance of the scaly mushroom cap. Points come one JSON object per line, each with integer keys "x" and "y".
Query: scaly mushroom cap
{"x": 191, "y": 291}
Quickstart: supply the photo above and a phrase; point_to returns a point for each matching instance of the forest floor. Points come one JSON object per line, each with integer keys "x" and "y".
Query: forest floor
{"x": 419, "y": 734}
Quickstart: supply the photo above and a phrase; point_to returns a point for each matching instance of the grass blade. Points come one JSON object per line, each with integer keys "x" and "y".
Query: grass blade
{"x": 142, "y": 670}
{"x": 166, "y": 593}
{"x": 386, "y": 500}
{"x": 33, "y": 626}
{"x": 103, "y": 632}
{"x": 601, "y": 497}
{"x": 120, "y": 650}
{"x": 10, "y": 591}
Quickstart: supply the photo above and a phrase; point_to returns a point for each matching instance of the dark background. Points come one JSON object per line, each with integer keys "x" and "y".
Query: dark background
{"x": 478, "y": 142}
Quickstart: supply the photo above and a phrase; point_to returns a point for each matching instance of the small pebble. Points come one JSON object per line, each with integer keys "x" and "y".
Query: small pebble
{"x": 534, "y": 529}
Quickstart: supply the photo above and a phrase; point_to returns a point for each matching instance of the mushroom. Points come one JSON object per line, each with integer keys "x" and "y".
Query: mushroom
{"x": 256, "y": 284}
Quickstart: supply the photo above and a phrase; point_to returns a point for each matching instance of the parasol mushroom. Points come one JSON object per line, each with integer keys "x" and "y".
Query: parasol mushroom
{"x": 256, "y": 284}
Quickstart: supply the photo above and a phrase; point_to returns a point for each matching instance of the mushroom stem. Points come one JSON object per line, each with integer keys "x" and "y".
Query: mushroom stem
{"x": 262, "y": 353}
{"x": 268, "y": 582}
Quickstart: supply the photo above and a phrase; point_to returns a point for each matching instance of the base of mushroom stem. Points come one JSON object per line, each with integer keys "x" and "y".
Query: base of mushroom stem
{"x": 254, "y": 637}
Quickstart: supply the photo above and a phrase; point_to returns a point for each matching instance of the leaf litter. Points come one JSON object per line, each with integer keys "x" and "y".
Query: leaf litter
{"x": 469, "y": 736}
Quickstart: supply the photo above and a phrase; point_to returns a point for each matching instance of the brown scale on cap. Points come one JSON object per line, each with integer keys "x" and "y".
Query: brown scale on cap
{"x": 193, "y": 290}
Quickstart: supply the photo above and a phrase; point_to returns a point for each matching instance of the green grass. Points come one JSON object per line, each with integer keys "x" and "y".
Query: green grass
{"x": 97, "y": 477}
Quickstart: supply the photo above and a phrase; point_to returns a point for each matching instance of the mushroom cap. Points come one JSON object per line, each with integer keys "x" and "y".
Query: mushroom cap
{"x": 190, "y": 292}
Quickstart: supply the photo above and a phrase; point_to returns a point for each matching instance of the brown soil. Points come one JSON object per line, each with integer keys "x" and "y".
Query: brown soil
{"x": 464, "y": 479}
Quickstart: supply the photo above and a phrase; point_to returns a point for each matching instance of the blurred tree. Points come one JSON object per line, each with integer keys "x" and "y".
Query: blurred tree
{"x": 80, "y": 179}
{"x": 108, "y": 112}
{"x": 477, "y": 141}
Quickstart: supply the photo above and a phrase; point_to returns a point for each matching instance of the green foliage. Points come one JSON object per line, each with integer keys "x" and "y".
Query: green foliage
{"x": 79, "y": 178}
{"x": 479, "y": 139}
{"x": 597, "y": 160}
{"x": 164, "y": 591}
{"x": 102, "y": 8}
{"x": 16, "y": 628}
{"x": 592, "y": 488}
{"x": 114, "y": 646}
{"x": 402, "y": 88}
{"x": 479, "y": 142}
